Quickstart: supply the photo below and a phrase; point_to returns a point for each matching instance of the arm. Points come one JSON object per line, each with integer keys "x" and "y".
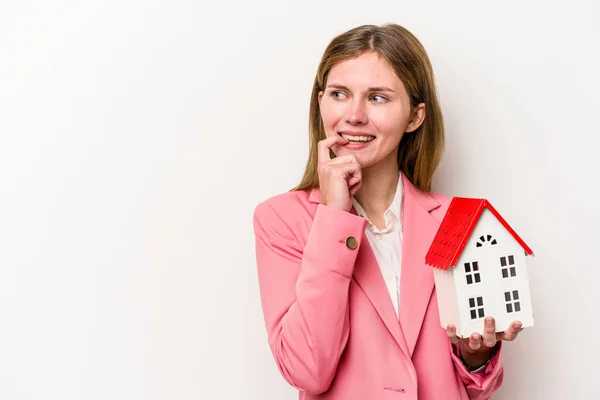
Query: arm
{"x": 304, "y": 292}
{"x": 483, "y": 382}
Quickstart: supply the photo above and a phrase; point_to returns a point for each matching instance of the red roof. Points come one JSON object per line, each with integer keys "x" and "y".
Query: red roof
{"x": 456, "y": 228}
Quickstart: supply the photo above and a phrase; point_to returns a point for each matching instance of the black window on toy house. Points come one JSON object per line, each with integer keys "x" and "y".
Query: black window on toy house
{"x": 512, "y": 301}
{"x": 508, "y": 266}
{"x": 476, "y": 307}
{"x": 472, "y": 272}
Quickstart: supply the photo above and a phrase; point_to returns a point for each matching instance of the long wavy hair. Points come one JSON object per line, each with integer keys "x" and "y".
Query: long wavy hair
{"x": 420, "y": 151}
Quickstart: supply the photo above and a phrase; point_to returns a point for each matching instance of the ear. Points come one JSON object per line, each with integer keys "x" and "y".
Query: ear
{"x": 418, "y": 116}
{"x": 320, "y": 97}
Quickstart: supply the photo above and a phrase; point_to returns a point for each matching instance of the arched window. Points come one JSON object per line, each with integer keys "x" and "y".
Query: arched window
{"x": 486, "y": 239}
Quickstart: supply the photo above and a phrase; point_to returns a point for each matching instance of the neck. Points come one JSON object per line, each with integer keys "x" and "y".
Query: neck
{"x": 378, "y": 188}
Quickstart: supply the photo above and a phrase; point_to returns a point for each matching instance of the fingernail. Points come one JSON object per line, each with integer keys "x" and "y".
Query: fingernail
{"x": 517, "y": 325}
{"x": 489, "y": 322}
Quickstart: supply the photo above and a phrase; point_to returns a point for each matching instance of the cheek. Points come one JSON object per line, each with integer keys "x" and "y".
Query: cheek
{"x": 330, "y": 115}
{"x": 390, "y": 122}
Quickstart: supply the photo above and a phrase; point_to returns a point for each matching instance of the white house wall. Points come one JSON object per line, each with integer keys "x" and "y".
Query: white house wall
{"x": 446, "y": 297}
{"x": 492, "y": 285}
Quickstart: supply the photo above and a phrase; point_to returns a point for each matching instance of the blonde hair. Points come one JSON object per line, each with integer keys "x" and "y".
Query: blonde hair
{"x": 421, "y": 150}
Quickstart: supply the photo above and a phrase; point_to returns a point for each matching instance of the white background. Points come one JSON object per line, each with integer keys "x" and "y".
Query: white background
{"x": 138, "y": 136}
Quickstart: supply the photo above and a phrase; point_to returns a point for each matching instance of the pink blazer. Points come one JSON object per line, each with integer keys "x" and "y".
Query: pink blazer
{"x": 330, "y": 322}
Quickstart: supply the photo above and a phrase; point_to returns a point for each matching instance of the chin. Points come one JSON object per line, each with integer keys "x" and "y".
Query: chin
{"x": 364, "y": 160}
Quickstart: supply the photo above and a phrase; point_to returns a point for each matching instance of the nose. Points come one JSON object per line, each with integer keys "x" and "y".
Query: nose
{"x": 356, "y": 113}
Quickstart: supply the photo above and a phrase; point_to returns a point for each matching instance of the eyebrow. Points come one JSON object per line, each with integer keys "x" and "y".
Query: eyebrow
{"x": 371, "y": 89}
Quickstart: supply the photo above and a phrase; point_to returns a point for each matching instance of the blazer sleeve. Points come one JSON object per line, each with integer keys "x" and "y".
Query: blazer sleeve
{"x": 304, "y": 291}
{"x": 483, "y": 382}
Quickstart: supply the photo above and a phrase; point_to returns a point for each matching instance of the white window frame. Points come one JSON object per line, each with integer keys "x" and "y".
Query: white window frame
{"x": 512, "y": 301}
{"x": 472, "y": 272}
{"x": 508, "y": 267}
{"x": 476, "y": 306}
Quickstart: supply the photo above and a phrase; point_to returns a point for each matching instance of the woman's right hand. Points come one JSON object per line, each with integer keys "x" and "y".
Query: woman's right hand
{"x": 339, "y": 178}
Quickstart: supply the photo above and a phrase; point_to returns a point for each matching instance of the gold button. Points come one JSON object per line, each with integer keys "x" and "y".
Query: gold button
{"x": 351, "y": 242}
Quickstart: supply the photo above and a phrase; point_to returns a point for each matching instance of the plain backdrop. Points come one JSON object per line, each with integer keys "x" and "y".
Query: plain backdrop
{"x": 138, "y": 136}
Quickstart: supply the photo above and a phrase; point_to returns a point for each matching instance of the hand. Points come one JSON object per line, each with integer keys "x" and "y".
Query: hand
{"x": 340, "y": 178}
{"x": 477, "y": 349}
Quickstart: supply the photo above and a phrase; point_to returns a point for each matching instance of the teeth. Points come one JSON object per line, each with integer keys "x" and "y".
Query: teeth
{"x": 357, "y": 138}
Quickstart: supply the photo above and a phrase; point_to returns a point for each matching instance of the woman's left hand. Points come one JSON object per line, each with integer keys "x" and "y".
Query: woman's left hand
{"x": 477, "y": 349}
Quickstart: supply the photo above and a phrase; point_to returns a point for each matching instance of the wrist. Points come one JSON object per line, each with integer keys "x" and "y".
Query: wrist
{"x": 475, "y": 359}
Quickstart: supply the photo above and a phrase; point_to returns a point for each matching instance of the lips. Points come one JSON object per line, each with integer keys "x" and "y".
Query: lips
{"x": 357, "y": 137}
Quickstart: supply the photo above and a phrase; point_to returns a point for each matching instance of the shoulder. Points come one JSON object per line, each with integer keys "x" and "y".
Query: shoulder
{"x": 443, "y": 201}
{"x": 441, "y": 198}
{"x": 283, "y": 203}
{"x": 291, "y": 211}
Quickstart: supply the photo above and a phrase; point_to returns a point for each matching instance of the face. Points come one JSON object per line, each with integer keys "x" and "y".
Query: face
{"x": 365, "y": 101}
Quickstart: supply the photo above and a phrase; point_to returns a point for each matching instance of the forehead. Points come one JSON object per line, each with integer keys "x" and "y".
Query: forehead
{"x": 368, "y": 69}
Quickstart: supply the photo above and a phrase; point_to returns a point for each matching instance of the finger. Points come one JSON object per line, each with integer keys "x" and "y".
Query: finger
{"x": 512, "y": 332}
{"x": 353, "y": 182}
{"x": 489, "y": 332}
{"x": 451, "y": 333}
{"x": 346, "y": 164}
{"x": 325, "y": 145}
{"x": 345, "y": 159}
{"x": 475, "y": 341}
{"x": 354, "y": 189}
{"x": 353, "y": 173}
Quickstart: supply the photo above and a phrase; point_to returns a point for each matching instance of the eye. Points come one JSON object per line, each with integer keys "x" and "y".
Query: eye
{"x": 337, "y": 95}
{"x": 377, "y": 96}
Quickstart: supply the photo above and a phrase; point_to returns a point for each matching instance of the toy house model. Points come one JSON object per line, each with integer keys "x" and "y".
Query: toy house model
{"x": 479, "y": 269}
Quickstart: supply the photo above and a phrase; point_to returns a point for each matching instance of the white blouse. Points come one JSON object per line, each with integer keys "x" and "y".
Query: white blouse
{"x": 387, "y": 243}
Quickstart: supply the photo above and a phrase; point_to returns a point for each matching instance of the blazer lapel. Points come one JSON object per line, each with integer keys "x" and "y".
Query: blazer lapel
{"x": 416, "y": 280}
{"x": 367, "y": 275}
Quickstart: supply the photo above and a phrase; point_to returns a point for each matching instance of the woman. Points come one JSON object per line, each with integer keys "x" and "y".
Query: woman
{"x": 349, "y": 305}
